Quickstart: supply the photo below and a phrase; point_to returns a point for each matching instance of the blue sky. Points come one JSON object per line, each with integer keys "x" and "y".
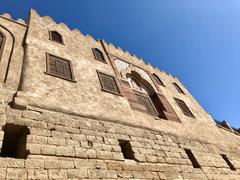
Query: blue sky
{"x": 198, "y": 41}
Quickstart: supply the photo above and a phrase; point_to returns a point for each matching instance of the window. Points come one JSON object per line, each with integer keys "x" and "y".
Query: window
{"x": 184, "y": 107}
{"x": 126, "y": 149}
{"x": 59, "y": 67}
{"x": 147, "y": 98}
{"x": 159, "y": 81}
{"x": 178, "y": 88}
{"x": 14, "y": 141}
{"x": 108, "y": 83}
{"x": 231, "y": 166}
{"x": 55, "y": 36}
{"x": 98, "y": 55}
{"x": 146, "y": 102}
{"x": 192, "y": 158}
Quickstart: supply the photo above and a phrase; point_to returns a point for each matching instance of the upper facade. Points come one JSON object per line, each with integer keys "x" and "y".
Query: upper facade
{"x": 47, "y": 65}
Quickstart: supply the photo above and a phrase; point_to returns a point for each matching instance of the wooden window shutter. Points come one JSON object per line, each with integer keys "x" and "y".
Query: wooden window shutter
{"x": 159, "y": 81}
{"x": 98, "y": 54}
{"x": 1, "y": 40}
{"x": 55, "y": 36}
{"x": 59, "y": 67}
{"x": 131, "y": 96}
{"x": 146, "y": 102}
{"x": 168, "y": 110}
{"x": 184, "y": 107}
{"x": 178, "y": 88}
{"x": 108, "y": 83}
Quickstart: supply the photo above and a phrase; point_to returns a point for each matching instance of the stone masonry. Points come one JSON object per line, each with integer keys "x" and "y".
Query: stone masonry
{"x": 73, "y": 128}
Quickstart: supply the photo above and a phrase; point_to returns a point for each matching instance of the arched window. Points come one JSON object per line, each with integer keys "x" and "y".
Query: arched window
{"x": 147, "y": 97}
{"x": 98, "y": 55}
{"x": 55, "y": 36}
{"x": 178, "y": 88}
{"x": 159, "y": 81}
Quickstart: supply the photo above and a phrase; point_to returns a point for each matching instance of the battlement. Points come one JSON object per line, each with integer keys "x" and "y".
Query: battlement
{"x": 91, "y": 38}
{"x": 73, "y": 107}
{"x": 8, "y": 17}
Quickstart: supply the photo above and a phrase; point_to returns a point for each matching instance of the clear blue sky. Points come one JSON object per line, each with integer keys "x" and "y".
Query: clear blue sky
{"x": 196, "y": 40}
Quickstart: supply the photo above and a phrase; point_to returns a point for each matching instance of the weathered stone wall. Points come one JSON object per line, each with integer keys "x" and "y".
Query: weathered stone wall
{"x": 13, "y": 52}
{"x": 85, "y": 97}
{"x": 75, "y": 127}
{"x": 63, "y": 147}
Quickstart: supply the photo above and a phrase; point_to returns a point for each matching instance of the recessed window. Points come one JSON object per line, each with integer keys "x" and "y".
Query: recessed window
{"x": 231, "y": 166}
{"x": 55, "y": 36}
{"x": 192, "y": 158}
{"x": 126, "y": 149}
{"x": 178, "y": 88}
{"x": 59, "y": 67}
{"x": 146, "y": 102}
{"x": 98, "y": 55}
{"x": 108, "y": 83}
{"x": 14, "y": 141}
{"x": 184, "y": 107}
{"x": 159, "y": 81}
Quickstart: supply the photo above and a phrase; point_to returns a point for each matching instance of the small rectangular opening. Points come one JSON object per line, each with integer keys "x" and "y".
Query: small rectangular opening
{"x": 14, "y": 141}
{"x": 126, "y": 149}
{"x": 192, "y": 158}
{"x": 231, "y": 166}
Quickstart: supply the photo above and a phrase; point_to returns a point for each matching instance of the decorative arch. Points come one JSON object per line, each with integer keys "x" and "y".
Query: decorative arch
{"x": 146, "y": 95}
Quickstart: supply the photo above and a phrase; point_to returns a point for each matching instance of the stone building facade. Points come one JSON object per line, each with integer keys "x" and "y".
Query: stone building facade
{"x": 73, "y": 107}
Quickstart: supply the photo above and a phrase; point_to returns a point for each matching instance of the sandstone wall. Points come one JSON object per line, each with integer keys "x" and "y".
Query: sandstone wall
{"x": 85, "y": 97}
{"x": 13, "y": 52}
{"x": 75, "y": 126}
{"x": 71, "y": 147}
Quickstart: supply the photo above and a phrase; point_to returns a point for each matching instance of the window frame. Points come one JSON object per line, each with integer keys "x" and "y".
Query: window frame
{"x": 95, "y": 57}
{"x": 3, "y": 44}
{"x": 158, "y": 80}
{"x": 190, "y": 114}
{"x": 179, "y": 89}
{"x": 142, "y": 95}
{"x": 115, "y": 80}
{"x": 55, "y": 75}
{"x": 51, "y": 38}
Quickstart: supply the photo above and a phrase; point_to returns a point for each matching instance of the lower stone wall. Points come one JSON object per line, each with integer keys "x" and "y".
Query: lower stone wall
{"x": 70, "y": 147}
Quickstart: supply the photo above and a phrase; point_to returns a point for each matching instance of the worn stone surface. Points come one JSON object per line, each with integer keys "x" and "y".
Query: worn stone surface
{"x": 75, "y": 128}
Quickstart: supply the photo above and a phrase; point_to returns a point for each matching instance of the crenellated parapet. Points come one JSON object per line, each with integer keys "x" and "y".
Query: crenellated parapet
{"x": 9, "y": 17}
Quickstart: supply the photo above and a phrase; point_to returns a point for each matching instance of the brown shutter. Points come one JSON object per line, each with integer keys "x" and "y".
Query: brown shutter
{"x": 184, "y": 107}
{"x": 145, "y": 101}
{"x": 131, "y": 96}
{"x": 178, "y": 88}
{"x": 158, "y": 80}
{"x": 108, "y": 83}
{"x": 98, "y": 54}
{"x": 169, "y": 111}
{"x": 55, "y": 36}
{"x": 59, "y": 67}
